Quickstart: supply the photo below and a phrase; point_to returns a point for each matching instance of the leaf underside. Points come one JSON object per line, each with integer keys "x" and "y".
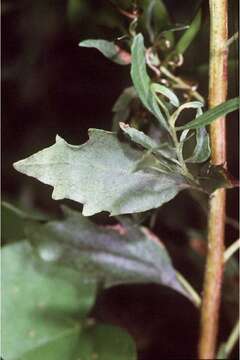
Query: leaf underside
{"x": 122, "y": 254}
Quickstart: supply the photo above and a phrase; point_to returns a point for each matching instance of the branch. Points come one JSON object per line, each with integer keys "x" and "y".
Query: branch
{"x": 214, "y": 264}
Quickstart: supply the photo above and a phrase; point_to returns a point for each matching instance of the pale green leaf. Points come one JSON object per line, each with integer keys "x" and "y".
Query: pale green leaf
{"x": 29, "y": 297}
{"x": 189, "y": 105}
{"x": 148, "y": 143}
{"x": 108, "y": 49}
{"x": 100, "y": 174}
{"x": 141, "y": 80}
{"x": 163, "y": 90}
{"x": 202, "y": 149}
{"x": 213, "y": 114}
{"x": 120, "y": 254}
{"x": 139, "y": 137}
{"x": 45, "y": 317}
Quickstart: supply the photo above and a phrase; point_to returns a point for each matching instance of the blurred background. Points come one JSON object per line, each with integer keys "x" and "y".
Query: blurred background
{"x": 51, "y": 86}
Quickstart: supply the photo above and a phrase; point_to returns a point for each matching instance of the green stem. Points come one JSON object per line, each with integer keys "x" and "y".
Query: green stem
{"x": 188, "y": 287}
{"x": 232, "y": 340}
{"x": 227, "y": 347}
{"x": 216, "y": 221}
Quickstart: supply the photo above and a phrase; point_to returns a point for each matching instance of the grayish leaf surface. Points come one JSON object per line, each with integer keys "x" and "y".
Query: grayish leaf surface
{"x": 101, "y": 175}
{"x": 202, "y": 149}
{"x": 108, "y": 49}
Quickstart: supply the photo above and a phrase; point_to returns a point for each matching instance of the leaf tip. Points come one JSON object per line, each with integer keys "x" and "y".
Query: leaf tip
{"x": 59, "y": 139}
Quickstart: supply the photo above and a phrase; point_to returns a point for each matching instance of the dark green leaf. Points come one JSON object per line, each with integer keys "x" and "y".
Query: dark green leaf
{"x": 187, "y": 38}
{"x": 101, "y": 175}
{"x": 156, "y": 18}
{"x": 108, "y": 49}
{"x": 202, "y": 149}
{"x": 213, "y": 177}
{"x": 141, "y": 80}
{"x": 121, "y": 254}
{"x": 213, "y": 114}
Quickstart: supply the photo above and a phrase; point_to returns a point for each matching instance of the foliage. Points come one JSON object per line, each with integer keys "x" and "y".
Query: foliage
{"x": 159, "y": 147}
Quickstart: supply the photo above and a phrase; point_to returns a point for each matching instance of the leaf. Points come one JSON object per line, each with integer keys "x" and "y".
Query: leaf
{"x": 45, "y": 317}
{"x": 156, "y": 18}
{"x": 139, "y": 137}
{"x": 163, "y": 90}
{"x": 189, "y": 105}
{"x": 148, "y": 143}
{"x": 187, "y": 38}
{"x": 124, "y": 99}
{"x": 27, "y": 298}
{"x": 141, "y": 80}
{"x": 12, "y": 225}
{"x": 121, "y": 254}
{"x": 213, "y": 177}
{"x": 100, "y": 174}
{"x": 213, "y": 114}
{"x": 108, "y": 49}
{"x": 202, "y": 149}
{"x": 121, "y": 108}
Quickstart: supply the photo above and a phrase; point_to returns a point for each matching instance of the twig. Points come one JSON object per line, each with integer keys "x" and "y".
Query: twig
{"x": 181, "y": 84}
{"x": 188, "y": 287}
{"x": 231, "y": 250}
{"x": 229, "y": 345}
{"x": 232, "y": 39}
{"x": 214, "y": 264}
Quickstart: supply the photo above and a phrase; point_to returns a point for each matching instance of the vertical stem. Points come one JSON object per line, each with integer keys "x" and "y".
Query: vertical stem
{"x": 216, "y": 222}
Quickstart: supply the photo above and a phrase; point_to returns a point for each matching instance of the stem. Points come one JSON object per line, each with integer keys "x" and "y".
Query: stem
{"x": 182, "y": 84}
{"x": 232, "y": 340}
{"x": 227, "y": 347}
{"x": 214, "y": 263}
{"x": 188, "y": 287}
{"x": 231, "y": 250}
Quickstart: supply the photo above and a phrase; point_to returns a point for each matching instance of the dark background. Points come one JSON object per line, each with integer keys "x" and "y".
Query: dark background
{"x": 51, "y": 86}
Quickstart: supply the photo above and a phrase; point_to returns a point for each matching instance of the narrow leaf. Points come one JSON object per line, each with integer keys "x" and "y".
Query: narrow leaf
{"x": 163, "y": 90}
{"x": 139, "y": 137}
{"x": 141, "y": 80}
{"x": 108, "y": 49}
{"x": 202, "y": 149}
{"x": 121, "y": 254}
{"x": 213, "y": 114}
{"x": 156, "y": 18}
{"x": 100, "y": 174}
{"x": 187, "y": 38}
{"x": 189, "y": 105}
